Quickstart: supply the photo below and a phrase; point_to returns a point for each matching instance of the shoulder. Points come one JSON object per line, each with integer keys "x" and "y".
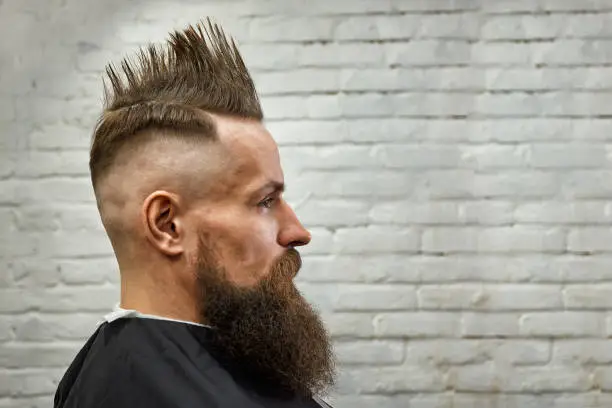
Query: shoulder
{"x": 130, "y": 363}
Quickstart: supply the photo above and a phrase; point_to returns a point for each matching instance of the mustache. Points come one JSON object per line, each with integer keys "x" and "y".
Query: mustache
{"x": 289, "y": 263}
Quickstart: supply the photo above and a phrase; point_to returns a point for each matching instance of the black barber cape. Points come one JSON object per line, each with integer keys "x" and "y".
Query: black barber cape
{"x": 151, "y": 363}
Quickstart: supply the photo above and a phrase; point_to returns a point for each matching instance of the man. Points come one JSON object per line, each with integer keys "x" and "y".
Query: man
{"x": 189, "y": 188}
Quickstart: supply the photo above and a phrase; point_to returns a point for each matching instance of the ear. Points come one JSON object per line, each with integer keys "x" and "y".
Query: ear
{"x": 163, "y": 225}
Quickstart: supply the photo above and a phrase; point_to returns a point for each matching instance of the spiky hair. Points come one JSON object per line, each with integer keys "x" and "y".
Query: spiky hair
{"x": 172, "y": 87}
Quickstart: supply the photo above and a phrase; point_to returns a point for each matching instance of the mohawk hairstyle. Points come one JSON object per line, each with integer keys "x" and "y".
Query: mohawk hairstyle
{"x": 172, "y": 88}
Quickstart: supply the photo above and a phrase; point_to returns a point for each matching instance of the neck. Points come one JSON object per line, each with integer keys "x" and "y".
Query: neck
{"x": 158, "y": 297}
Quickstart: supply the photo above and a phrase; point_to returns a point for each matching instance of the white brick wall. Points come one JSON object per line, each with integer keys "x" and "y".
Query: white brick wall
{"x": 452, "y": 158}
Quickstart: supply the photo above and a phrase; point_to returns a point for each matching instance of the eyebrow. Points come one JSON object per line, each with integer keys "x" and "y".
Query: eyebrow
{"x": 274, "y": 185}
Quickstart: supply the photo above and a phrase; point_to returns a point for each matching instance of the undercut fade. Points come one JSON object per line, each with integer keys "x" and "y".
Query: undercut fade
{"x": 172, "y": 88}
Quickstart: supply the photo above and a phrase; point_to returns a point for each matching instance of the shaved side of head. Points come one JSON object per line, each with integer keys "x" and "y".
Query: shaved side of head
{"x": 157, "y": 130}
{"x": 156, "y": 161}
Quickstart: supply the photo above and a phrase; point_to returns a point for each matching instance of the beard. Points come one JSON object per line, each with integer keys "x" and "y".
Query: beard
{"x": 268, "y": 332}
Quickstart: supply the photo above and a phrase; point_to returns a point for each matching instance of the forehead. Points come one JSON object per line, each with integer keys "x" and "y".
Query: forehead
{"x": 253, "y": 153}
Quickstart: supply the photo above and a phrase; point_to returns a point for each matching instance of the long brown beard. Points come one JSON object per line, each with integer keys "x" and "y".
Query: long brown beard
{"x": 269, "y": 331}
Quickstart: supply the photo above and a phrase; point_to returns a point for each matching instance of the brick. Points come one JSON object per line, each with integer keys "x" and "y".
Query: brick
{"x": 365, "y": 401}
{"x": 408, "y": 212}
{"x": 323, "y": 107}
{"x": 375, "y": 239}
{"x": 445, "y": 352}
{"x": 371, "y": 353}
{"x": 561, "y": 324}
{"x": 384, "y": 130}
{"x": 483, "y": 157}
{"x": 476, "y": 378}
{"x": 582, "y": 352}
{"x": 586, "y": 184}
{"x": 74, "y": 84}
{"x": 472, "y": 400}
{"x": 270, "y": 56}
{"x": 8, "y": 165}
{"x": 487, "y": 212}
{"x": 412, "y": 79}
{"x": 516, "y": 27}
{"x": 435, "y": 5}
{"x": 340, "y": 55}
{"x": 497, "y": 53}
{"x": 340, "y": 156}
{"x": 576, "y": 269}
{"x": 505, "y": 130}
{"x": 547, "y": 379}
{"x": 333, "y": 213}
{"x": 457, "y": 184}
{"x": 545, "y": 5}
{"x": 343, "y": 325}
{"x": 351, "y": 268}
{"x": 603, "y": 378}
{"x": 358, "y": 106}
{"x": 490, "y": 325}
{"x": 548, "y": 79}
{"x": 20, "y": 244}
{"x": 87, "y": 271}
{"x": 298, "y": 81}
{"x": 520, "y": 352}
{"x": 57, "y": 190}
{"x": 44, "y": 164}
{"x": 407, "y": 26}
{"x": 300, "y": 132}
{"x": 90, "y": 299}
{"x": 7, "y": 110}
{"x": 592, "y": 296}
{"x": 36, "y": 217}
{"x": 390, "y": 380}
{"x": 355, "y": 184}
{"x": 60, "y": 136}
{"x": 33, "y": 273}
{"x": 589, "y": 239}
{"x": 51, "y": 111}
{"x": 417, "y": 325}
{"x": 37, "y": 355}
{"x": 489, "y": 297}
{"x": 31, "y": 402}
{"x": 28, "y": 382}
{"x": 75, "y": 243}
{"x": 432, "y": 104}
{"x": 55, "y": 327}
{"x": 491, "y": 378}
{"x": 521, "y": 239}
{"x": 449, "y": 240}
{"x": 462, "y": 268}
{"x": 321, "y": 296}
{"x": 572, "y": 52}
{"x": 317, "y": 7}
{"x": 284, "y": 107}
{"x": 501, "y": 239}
{"x": 289, "y": 29}
{"x": 428, "y": 53}
{"x": 375, "y": 297}
{"x": 6, "y": 329}
{"x": 320, "y": 243}
{"x": 94, "y": 60}
{"x": 416, "y": 156}
{"x": 549, "y": 212}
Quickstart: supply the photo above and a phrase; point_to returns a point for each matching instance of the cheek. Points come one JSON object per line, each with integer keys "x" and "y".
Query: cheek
{"x": 249, "y": 251}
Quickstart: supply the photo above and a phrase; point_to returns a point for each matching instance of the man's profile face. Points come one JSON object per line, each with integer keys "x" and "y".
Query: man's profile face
{"x": 246, "y": 263}
{"x": 245, "y": 215}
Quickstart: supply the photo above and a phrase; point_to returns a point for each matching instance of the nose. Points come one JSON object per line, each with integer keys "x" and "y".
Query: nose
{"x": 292, "y": 233}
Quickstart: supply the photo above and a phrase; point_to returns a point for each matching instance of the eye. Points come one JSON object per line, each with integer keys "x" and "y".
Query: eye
{"x": 267, "y": 203}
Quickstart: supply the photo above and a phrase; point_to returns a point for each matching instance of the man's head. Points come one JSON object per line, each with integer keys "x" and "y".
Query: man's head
{"x": 189, "y": 187}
